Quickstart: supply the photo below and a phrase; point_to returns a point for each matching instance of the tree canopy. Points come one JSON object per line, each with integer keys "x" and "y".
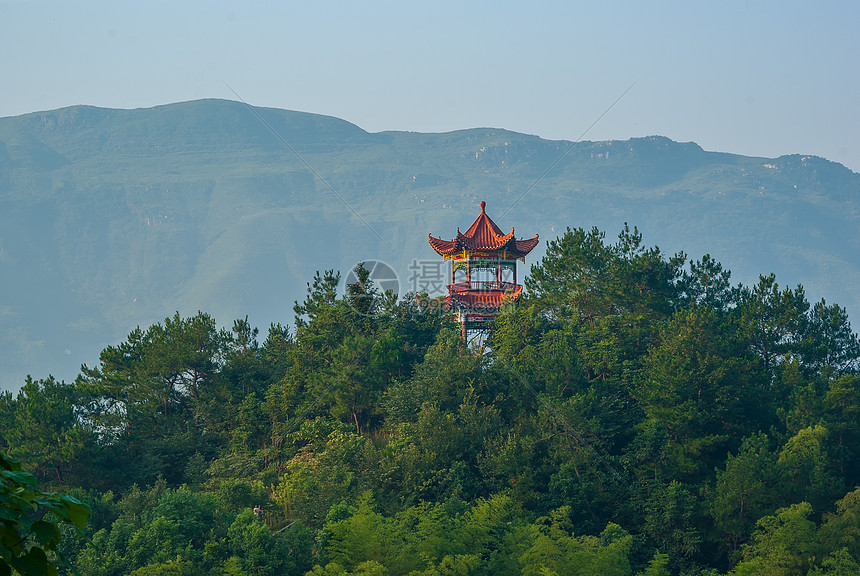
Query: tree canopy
{"x": 635, "y": 413}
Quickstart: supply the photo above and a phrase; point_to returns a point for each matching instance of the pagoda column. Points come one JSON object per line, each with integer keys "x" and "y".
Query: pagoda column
{"x": 469, "y": 271}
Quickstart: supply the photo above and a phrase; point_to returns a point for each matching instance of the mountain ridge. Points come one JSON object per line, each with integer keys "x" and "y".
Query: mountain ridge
{"x": 114, "y": 218}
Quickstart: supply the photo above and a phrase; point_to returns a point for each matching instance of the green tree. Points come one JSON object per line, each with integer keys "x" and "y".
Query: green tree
{"x": 708, "y": 284}
{"x": 363, "y": 295}
{"x": 806, "y": 468}
{"x": 840, "y": 530}
{"x": 570, "y": 280}
{"x": 775, "y": 320}
{"x": 645, "y": 279}
{"x": 29, "y": 522}
{"x": 447, "y": 369}
{"x": 364, "y": 536}
{"x": 252, "y": 428}
{"x": 321, "y": 295}
{"x": 745, "y": 490}
{"x": 175, "y": 567}
{"x": 319, "y": 477}
{"x": 259, "y": 553}
{"x": 829, "y": 342}
{"x": 658, "y": 566}
{"x": 839, "y": 563}
{"x": 670, "y": 521}
{"x": 247, "y": 369}
{"x": 526, "y": 342}
{"x": 782, "y": 545}
{"x": 45, "y": 430}
{"x": 147, "y": 398}
{"x": 349, "y": 351}
{"x": 701, "y": 384}
{"x": 842, "y": 418}
{"x": 555, "y": 551}
{"x": 649, "y": 454}
{"x": 583, "y": 278}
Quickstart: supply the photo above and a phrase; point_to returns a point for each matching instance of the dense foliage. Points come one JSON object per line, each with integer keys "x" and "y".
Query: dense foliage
{"x": 29, "y": 522}
{"x": 636, "y": 413}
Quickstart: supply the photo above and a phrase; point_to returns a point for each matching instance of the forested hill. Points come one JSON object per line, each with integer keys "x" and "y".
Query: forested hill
{"x": 635, "y": 414}
{"x": 111, "y": 219}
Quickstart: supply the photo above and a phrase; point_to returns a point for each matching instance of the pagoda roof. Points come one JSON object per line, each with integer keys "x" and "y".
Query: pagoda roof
{"x": 489, "y": 300}
{"x": 483, "y": 236}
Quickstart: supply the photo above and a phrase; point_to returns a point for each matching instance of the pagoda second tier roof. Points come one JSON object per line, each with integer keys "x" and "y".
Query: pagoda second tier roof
{"x": 488, "y": 300}
{"x": 483, "y": 236}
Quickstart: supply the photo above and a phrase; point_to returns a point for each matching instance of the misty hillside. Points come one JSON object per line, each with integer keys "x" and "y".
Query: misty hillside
{"x": 114, "y": 218}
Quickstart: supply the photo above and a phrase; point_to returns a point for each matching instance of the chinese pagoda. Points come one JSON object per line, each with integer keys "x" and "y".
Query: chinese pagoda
{"x": 483, "y": 272}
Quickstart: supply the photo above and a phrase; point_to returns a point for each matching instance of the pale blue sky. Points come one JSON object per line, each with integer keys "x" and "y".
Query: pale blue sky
{"x": 755, "y": 78}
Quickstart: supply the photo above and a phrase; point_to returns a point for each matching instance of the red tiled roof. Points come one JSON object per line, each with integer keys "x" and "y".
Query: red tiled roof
{"x": 490, "y": 300}
{"x": 483, "y": 235}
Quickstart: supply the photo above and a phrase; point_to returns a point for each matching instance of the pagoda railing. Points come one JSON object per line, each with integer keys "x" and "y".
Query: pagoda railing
{"x": 482, "y": 285}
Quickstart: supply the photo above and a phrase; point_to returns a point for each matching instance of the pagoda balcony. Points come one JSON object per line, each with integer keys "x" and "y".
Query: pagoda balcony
{"x": 483, "y": 285}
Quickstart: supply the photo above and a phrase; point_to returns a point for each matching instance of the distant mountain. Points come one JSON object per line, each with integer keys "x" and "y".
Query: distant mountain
{"x": 114, "y": 218}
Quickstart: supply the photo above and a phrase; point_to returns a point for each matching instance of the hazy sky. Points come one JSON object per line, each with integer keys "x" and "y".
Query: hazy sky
{"x": 755, "y": 78}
